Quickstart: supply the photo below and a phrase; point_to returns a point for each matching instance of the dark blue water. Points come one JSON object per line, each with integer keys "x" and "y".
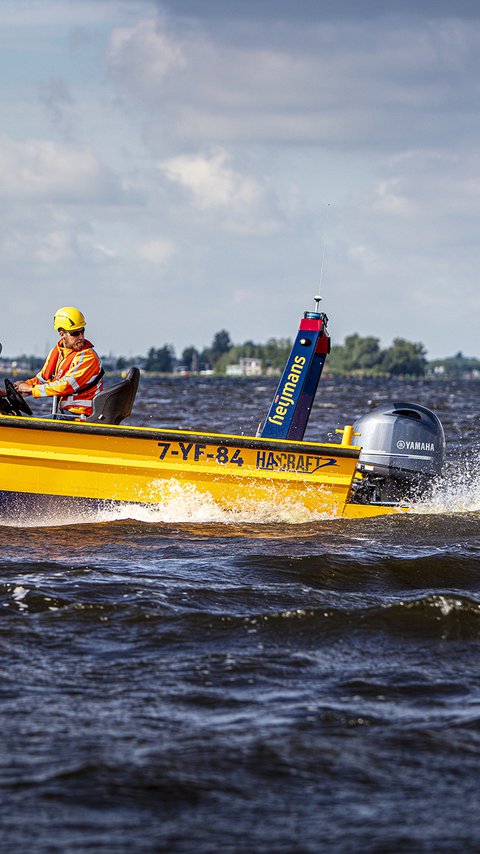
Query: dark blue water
{"x": 174, "y": 679}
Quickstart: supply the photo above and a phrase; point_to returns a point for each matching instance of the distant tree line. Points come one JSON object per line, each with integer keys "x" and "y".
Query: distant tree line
{"x": 364, "y": 355}
{"x": 456, "y": 367}
{"x": 356, "y": 356}
{"x": 221, "y": 353}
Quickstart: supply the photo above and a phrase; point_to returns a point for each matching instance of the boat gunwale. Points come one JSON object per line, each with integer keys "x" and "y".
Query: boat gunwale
{"x": 160, "y": 433}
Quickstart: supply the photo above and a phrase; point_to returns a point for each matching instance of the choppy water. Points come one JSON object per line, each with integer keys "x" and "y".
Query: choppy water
{"x": 177, "y": 680}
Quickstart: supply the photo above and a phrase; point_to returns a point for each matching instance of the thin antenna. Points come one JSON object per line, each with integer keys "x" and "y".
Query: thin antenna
{"x": 321, "y": 269}
{"x": 323, "y": 255}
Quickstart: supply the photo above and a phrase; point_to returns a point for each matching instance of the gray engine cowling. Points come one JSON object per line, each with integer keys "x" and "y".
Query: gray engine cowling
{"x": 403, "y": 450}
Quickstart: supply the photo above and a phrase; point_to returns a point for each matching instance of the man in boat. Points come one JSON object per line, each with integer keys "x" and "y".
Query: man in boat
{"x": 72, "y": 371}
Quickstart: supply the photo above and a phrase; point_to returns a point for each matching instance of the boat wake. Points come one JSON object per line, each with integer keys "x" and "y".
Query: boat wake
{"x": 181, "y": 504}
{"x": 456, "y": 493}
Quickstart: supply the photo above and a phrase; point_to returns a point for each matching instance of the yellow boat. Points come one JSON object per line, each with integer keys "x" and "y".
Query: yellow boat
{"x": 98, "y": 461}
{"x": 105, "y": 463}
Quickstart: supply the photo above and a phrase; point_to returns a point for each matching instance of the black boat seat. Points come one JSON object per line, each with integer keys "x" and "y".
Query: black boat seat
{"x": 114, "y": 404}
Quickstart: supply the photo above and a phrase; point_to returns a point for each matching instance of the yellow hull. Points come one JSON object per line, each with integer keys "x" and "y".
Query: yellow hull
{"x": 105, "y": 463}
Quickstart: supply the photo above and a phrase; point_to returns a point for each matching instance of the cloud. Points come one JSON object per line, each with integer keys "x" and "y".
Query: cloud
{"x": 58, "y": 102}
{"x": 314, "y": 10}
{"x": 41, "y": 15}
{"x": 143, "y": 56}
{"x": 241, "y": 203}
{"x": 158, "y": 252}
{"x": 211, "y": 181}
{"x": 430, "y": 193}
{"x": 389, "y": 199}
{"x": 346, "y": 83}
{"x": 39, "y": 170}
{"x": 46, "y": 236}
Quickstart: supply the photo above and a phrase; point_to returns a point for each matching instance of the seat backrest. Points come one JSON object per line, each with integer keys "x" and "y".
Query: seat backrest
{"x": 115, "y": 403}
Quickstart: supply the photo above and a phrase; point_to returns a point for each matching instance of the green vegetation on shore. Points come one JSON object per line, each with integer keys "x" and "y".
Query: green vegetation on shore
{"x": 357, "y": 356}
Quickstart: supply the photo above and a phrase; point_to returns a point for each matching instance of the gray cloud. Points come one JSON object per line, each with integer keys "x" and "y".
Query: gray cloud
{"x": 347, "y": 85}
{"x": 42, "y": 170}
{"x": 319, "y": 10}
{"x": 58, "y": 102}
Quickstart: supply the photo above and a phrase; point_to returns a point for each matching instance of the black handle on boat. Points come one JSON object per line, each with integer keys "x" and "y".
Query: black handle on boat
{"x": 18, "y": 404}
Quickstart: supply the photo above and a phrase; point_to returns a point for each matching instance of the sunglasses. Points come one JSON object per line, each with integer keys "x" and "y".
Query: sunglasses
{"x": 76, "y": 332}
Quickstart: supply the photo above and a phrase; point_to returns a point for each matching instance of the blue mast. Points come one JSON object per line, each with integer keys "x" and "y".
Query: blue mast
{"x": 292, "y": 403}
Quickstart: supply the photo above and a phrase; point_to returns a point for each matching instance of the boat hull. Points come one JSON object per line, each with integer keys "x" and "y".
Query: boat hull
{"x": 44, "y": 459}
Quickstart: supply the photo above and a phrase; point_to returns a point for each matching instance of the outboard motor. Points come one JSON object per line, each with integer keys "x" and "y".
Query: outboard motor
{"x": 403, "y": 450}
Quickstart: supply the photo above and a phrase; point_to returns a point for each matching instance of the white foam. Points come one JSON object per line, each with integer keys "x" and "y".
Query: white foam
{"x": 457, "y": 492}
{"x": 18, "y": 595}
{"x": 180, "y": 503}
{"x": 183, "y": 503}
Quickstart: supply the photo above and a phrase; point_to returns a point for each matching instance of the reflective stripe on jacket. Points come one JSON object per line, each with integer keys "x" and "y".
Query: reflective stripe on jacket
{"x": 65, "y": 373}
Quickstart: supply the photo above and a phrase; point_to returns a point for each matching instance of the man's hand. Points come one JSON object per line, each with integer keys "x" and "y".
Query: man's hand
{"x": 23, "y": 388}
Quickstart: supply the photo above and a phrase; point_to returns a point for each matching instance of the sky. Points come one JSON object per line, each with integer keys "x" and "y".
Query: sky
{"x": 176, "y": 168}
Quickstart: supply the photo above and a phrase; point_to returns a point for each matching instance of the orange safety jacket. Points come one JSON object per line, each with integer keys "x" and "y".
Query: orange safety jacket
{"x": 75, "y": 376}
